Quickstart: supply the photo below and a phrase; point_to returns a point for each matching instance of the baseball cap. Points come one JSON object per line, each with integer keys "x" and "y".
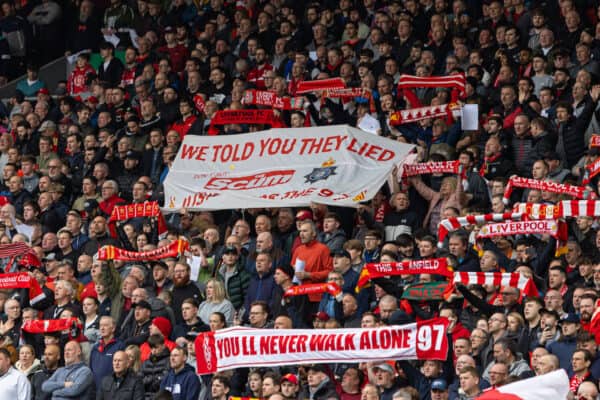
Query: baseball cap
{"x": 304, "y": 215}
{"x": 322, "y": 316}
{"x": 570, "y": 318}
{"x": 133, "y": 155}
{"x": 47, "y": 125}
{"x": 143, "y": 304}
{"x": 439, "y": 384}
{"x": 230, "y": 250}
{"x": 43, "y": 91}
{"x": 286, "y": 269}
{"x": 160, "y": 264}
{"x": 290, "y": 378}
{"x": 385, "y": 367}
{"x": 340, "y": 253}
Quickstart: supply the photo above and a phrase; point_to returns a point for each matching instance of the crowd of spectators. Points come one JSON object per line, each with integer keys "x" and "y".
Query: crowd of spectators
{"x": 108, "y": 135}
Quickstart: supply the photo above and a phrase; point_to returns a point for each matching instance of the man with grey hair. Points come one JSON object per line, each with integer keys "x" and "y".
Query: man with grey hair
{"x": 63, "y": 297}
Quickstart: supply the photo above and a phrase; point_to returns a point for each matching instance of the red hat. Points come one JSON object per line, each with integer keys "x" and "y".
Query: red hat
{"x": 322, "y": 316}
{"x": 163, "y": 325}
{"x": 304, "y": 215}
{"x": 290, "y": 378}
{"x": 43, "y": 91}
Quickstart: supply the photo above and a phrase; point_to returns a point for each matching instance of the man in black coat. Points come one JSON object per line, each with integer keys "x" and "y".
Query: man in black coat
{"x": 111, "y": 68}
{"x": 123, "y": 384}
{"x": 51, "y": 360}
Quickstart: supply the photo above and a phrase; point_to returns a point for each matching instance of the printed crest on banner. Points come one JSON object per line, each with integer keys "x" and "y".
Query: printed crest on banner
{"x": 320, "y": 174}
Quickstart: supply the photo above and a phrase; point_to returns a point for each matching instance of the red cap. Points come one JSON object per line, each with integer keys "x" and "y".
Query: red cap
{"x": 290, "y": 378}
{"x": 322, "y": 316}
{"x": 304, "y": 215}
{"x": 43, "y": 91}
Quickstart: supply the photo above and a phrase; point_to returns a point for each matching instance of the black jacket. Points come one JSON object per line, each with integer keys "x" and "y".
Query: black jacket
{"x": 154, "y": 370}
{"x": 37, "y": 379}
{"x": 130, "y": 387}
{"x": 571, "y": 135}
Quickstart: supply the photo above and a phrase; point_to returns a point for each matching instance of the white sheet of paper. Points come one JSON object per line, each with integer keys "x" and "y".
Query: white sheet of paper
{"x": 195, "y": 265}
{"x": 470, "y": 117}
{"x": 298, "y": 267}
{"x": 113, "y": 39}
{"x": 313, "y": 55}
{"x": 369, "y": 124}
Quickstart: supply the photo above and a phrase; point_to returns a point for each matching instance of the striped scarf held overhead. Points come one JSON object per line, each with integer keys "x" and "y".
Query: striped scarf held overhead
{"x": 578, "y": 192}
{"x": 510, "y": 279}
{"x": 452, "y": 224}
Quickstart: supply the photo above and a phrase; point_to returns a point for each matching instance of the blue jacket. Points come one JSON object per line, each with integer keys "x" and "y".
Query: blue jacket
{"x": 79, "y": 374}
{"x": 260, "y": 288}
{"x": 183, "y": 385}
{"x": 101, "y": 361}
{"x": 563, "y": 349}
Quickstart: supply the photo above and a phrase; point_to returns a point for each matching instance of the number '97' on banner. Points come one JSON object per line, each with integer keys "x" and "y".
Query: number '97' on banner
{"x": 240, "y": 347}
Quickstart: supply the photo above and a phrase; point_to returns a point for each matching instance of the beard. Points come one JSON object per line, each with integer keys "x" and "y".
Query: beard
{"x": 181, "y": 282}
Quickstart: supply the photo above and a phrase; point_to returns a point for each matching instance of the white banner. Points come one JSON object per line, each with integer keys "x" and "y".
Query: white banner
{"x": 335, "y": 165}
{"x": 241, "y": 347}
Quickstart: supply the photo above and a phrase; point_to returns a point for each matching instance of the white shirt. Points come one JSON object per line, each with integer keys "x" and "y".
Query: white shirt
{"x": 14, "y": 386}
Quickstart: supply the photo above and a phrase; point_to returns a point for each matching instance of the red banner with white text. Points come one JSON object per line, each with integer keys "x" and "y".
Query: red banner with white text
{"x": 115, "y": 253}
{"x": 241, "y": 347}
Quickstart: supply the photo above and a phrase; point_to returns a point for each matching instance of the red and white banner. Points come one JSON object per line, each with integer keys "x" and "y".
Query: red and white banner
{"x": 115, "y": 253}
{"x": 553, "y": 385}
{"x": 241, "y": 347}
{"x": 591, "y": 170}
{"x": 22, "y": 280}
{"x": 445, "y": 167}
{"x": 577, "y": 208}
{"x": 335, "y": 165}
{"x": 579, "y": 192}
{"x": 549, "y": 227}
{"x": 270, "y": 99}
{"x": 457, "y": 81}
{"x": 321, "y": 84}
{"x": 538, "y": 210}
{"x": 436, "y": 266}
{"x": 452, "y": 224}
{"x": 510, "y": 279}
{"x": 420, "y": 113}
{"x": 315, "y": 288}
{"x": 138, "y": 210}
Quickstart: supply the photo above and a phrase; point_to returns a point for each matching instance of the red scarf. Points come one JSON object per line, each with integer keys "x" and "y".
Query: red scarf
{"x": 575, "y": 381}
{"x": 115, "y": 253}
{"x": 486, "y": 163}
{"x": 547, "y": 186}
{"x": 321, "y": 84}
{"x": 451, "y": 167}
{"x": 421, "y": 113}
{"x": 102, "y": 344}
{"x": 436, "y": 266}
{"x": 249, "y": 117}
{"x": 315, "y": 288}
{"x": 138, "y": 210}
{"x": 591, "y": 170}
{"x": 270, "y": 99}
{"x": 22, "y": 280}
{"x": 73, "y": 325}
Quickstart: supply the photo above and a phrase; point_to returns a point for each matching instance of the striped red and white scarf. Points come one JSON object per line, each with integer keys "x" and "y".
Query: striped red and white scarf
{"x": 420, "y": 113}
{"x": 138, "y": 210}
{"x": 579, "y": 192}
{"x": 452, "y": 224}
{"x": 457, "y": 82}
{"x": 510, "y": 279}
